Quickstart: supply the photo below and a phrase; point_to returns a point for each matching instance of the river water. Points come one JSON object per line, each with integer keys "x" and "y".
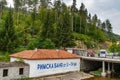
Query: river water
{"x": 103, "y": 78}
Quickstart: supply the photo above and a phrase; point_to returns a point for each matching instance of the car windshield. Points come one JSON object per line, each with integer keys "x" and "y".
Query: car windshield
{"x": 102, "y": 52}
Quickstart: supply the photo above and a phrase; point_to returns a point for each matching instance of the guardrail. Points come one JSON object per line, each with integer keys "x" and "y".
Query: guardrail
{"x": 107, "y": 56}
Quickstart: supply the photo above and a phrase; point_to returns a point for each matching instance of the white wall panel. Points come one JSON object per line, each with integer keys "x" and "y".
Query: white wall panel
{"x": 48, "y": 67}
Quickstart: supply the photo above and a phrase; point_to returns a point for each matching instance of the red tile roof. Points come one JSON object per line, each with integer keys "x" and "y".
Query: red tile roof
{"x": 44, "y": 54}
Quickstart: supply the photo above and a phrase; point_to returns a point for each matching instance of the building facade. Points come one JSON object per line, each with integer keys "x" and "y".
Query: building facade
{"x": 48, "y": 62}
{"x": 13, "y": 70}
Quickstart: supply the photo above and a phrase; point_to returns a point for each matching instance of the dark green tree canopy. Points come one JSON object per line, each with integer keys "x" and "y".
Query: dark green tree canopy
{"x": 8, "y": 35}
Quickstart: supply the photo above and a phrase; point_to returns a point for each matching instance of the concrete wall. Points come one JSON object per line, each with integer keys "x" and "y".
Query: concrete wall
{"x": 87, "y": 65}
{"x": 13, "y": 73}
{"x": 48, "y": 67}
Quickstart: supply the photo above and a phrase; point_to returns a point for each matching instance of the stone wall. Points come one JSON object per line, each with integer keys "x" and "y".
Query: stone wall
{"x": 13, "y": 73}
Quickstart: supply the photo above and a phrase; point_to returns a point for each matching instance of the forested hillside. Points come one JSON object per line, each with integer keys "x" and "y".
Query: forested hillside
{"x": 45, "y": 24}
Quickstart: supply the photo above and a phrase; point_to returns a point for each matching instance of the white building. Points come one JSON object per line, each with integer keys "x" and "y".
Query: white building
{"x": 13, "y": 70}
{"x": 44, "y": 62}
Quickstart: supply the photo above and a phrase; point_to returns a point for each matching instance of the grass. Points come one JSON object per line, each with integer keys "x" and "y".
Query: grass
{"x": 97, "y": 73}
{"x": 25, "y": 79}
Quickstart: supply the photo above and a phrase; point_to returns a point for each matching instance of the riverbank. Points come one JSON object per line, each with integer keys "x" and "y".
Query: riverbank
{"x": 67, "y": 76}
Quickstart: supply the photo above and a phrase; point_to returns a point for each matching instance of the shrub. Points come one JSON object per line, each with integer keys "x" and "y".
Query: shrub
{"x": 4, "y": 57}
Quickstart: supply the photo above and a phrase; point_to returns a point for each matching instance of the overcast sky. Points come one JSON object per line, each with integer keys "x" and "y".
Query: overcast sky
{"x": 105, "y": 9}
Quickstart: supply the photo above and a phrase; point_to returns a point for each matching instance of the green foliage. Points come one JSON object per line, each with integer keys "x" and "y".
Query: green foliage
{"x": 97, "y": 72}
{"x": 64, "y": 30}
{"x": 99, "y": 35}
{"x": 112, "y": 37}
{"x": 1, "y": 23}
{"x": 48, "y": 30}
{"x": 41, "y": 43}
{"x": 86, "y": 39}
{"x": 114, "y": 48}
{"x": 20, "y": 48}
{"x": 33, "y": 43}
{"x": 4, "y": 57}
{"x": 46, "y": 44}
{"x": 50, "y": 27}
{"x": 19, "y": 60}
{"x": 8, "y": 37}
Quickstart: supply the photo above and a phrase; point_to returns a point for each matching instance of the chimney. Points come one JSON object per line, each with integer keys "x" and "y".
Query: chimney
{"x": 36, "y": 49}
{"x": 57, "y": 50}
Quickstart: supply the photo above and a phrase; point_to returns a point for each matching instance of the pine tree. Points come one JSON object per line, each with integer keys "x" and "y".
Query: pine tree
{"x": 3, "y": 3}
{"x": 74, "y": 10}
{"x": 108, "y": 26}
{"x": 103, "y": 26}
{"x": 83, "y": 19}
{"x": 8, "y": 37}
{"x": 64, "y": 31}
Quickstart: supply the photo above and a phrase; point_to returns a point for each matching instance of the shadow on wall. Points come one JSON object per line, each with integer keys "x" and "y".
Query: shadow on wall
{"x": 87, "y": 65}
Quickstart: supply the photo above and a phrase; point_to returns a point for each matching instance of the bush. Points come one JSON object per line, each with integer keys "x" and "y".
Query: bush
{"x": 33, "y": 43}
{"x": 41, "y": 43}
{"x": 46, "y": 44}
{"x": 114, "y": 48}
{"x": 88, "y": 41}
{"x": 20, "y": 48}
{"x": 4, "y": 57}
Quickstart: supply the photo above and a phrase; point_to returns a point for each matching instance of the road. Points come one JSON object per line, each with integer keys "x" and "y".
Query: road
{"x": 113, "y": 60}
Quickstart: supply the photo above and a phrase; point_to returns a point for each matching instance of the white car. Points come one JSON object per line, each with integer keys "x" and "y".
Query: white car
{"x": 102, "y": 53}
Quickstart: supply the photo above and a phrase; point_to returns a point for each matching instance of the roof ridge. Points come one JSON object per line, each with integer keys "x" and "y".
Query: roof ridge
{"x": 33, "y": 53}
{"x": 41, "y": 50}
{"x": 36, "y": 52}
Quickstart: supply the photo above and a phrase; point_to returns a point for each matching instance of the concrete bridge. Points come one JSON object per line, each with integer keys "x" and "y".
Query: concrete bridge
{"x": 103, "y": 61}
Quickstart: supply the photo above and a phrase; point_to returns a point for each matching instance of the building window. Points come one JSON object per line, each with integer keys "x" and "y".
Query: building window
{"x": 5, "y": 72}
{"x": 21, "y": 70}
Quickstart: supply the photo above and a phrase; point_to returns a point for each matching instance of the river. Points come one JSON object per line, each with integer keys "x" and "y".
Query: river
{"x": 103, "y": 78}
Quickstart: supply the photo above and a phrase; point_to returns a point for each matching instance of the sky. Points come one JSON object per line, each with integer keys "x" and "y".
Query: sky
{"x": 105, "y": 9}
